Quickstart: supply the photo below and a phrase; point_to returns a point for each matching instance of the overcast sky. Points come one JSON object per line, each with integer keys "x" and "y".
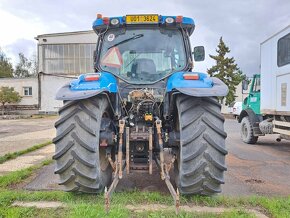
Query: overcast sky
{"x": 243, "y": 24}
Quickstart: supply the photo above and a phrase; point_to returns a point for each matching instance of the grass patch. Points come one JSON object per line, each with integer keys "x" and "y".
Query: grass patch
{"x": 18, "y": 176}
{"x": 86, "y": 205}
{"x": 171, "y": 213}
{"x": 14, "y": 155}
{"x": 15, "y": 212}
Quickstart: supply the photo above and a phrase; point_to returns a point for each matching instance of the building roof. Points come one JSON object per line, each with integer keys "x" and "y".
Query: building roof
{"x": 18, "y": 78}
{"x": 64, "y": 34}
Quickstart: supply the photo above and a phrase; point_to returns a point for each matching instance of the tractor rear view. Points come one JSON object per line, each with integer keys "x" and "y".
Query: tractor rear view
{"x": 142, "y": 98}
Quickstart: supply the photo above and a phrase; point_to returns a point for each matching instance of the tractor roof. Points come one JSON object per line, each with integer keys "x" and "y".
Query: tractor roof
{"x": 103, "y": 23}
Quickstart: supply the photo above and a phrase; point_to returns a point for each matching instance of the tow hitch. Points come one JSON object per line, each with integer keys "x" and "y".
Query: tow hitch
{"x": 118, "y": 167}
{"x": 165, "y": 168}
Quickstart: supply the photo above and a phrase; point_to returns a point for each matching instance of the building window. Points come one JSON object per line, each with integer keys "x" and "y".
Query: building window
{"x": 283, "y": 51}
{"x": 71, "y": 59}
{"x": 27, "y": 91}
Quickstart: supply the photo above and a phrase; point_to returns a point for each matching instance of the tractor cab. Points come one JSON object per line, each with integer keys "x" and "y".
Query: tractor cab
{"x": 143, "y": 49}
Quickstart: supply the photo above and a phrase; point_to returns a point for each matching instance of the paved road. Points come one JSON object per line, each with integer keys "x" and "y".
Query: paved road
{"x": 16, "y": 135}
{"x": 262, "y": 169}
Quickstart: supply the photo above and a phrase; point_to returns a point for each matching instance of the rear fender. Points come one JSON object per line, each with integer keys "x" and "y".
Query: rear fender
{"x": 254, "y": 118}
{"x": 82, "y": 89}
{"x": 203, "y": 87}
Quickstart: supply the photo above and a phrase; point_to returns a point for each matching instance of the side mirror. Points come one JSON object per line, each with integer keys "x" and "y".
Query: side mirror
{"x": 198, "y": 53}
{"x": 245, "y": 85}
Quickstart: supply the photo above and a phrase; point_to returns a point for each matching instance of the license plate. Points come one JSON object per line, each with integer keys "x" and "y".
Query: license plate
{"x": 136, "y": 19}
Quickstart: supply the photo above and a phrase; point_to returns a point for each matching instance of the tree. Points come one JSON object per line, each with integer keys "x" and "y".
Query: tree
{"x": 25, "y": 67}
{"x": 34, "y": 65}
{"x": 8, "y": 95}
{"x": 226, "y": 70}
{"x": 6, "y": 69}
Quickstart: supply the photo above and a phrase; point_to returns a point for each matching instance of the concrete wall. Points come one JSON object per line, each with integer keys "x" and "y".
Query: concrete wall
{"x": 49, "y": 85}
{"x": 19, "y": 84}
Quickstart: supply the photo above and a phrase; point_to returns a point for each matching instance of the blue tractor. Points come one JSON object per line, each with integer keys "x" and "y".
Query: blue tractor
{"x": 142, "y": 101}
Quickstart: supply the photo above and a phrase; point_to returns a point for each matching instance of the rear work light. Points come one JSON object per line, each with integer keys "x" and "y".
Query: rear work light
{"x": 115, "y": 21}
{"x": 92, "y": 77}
{"x": 190, "y": 76}
{"x": 169, "y": 20}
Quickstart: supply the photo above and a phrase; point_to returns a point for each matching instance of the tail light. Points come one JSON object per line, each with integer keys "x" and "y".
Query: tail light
{"x": 190, "y": 76}
{"x": 92, "y": 77}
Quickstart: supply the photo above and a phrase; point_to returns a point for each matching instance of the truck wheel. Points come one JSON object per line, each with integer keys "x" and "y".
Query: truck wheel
{"x": 247, "y": 131}
{"x": 80, "y": 162}
{"x": 201, "y": 159}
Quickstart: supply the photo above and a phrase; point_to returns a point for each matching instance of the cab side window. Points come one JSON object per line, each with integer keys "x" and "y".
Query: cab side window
{"x": 283, "y": 51}
{"x": 257, "y": 85}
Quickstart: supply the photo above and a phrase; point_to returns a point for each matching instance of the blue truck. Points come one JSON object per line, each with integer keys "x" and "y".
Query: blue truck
{"x": 142, "y": 99}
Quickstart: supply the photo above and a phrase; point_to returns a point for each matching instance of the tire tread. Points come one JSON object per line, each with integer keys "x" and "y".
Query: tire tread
{"x": 202, "y": 153}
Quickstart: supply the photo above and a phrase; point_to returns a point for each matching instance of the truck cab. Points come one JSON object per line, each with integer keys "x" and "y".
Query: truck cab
{"x": 252, "y": 101}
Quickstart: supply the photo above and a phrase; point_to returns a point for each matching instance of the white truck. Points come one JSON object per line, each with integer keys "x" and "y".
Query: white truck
{"x": 266, "y": 110}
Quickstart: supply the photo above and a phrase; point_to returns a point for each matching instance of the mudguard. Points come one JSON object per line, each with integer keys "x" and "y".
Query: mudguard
{"x": 203, "y": 87}
{"x": 82, "y": 89}
{"x": 254, "y": 119}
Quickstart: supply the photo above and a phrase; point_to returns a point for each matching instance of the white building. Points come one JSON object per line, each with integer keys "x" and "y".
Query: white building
{"x": 27, "y": 89}
{"x": 62, "y": 57}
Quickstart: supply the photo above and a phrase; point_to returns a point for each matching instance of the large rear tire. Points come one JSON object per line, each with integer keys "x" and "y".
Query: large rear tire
{"x": 201, "y": 159}
{"x": 80, "y": 162}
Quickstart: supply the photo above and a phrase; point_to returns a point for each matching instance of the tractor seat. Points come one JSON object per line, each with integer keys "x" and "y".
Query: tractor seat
{"x": 143, "y": 68}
